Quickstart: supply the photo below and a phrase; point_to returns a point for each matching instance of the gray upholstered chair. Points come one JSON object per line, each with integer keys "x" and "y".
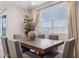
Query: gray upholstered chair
{"x": 67, "y": 52}
{"x": 54, "y": 37}
{"x": 5, "y": 46}
{"x": 16, "y": 52}
{"x": 41, "y": 36}
{"x": 14, "y": 49}
{"x": 18, "y": 36}
{"x": 68, "y": 49}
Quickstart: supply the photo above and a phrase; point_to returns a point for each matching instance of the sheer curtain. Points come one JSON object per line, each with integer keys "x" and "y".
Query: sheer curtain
{"x": 72, "y": 26}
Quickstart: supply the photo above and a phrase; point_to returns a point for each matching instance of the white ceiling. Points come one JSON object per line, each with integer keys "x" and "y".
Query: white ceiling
{"x": 23, "y": 4}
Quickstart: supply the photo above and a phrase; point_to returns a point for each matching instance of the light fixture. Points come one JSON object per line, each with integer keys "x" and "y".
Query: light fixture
{"x": 33, "y": 3}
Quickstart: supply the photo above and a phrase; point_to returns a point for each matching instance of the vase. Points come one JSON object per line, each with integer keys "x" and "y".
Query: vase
{"x": 32, "y": 35}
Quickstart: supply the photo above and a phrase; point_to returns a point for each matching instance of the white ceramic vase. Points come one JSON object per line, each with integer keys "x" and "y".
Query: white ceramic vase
{"x": 32, "y": 35}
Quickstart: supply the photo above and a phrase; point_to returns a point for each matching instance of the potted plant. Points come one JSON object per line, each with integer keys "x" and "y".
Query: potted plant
{"x": 27, "y": 21}
{"x": 29, "y": 28}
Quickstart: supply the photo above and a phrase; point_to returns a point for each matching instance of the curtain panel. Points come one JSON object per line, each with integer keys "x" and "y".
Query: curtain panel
{"x": 72, "y": 24}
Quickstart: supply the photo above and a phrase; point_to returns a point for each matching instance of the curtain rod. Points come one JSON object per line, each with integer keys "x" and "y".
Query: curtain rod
{"x": 48, "y": 5}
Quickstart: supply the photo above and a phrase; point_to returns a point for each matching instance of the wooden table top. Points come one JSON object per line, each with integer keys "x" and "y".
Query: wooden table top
{"x": 41, "y": 45}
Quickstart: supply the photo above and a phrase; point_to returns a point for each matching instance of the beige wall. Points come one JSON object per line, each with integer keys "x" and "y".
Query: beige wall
{"x": 15, "y": 19}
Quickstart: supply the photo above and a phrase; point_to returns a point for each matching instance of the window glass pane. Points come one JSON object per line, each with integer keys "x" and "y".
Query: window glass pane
{"x": 2, "y": 26}
{"x": 54, "y": 19}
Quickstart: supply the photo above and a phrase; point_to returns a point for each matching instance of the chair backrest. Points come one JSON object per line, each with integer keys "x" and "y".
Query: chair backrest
{"x": 69, "y": 48}
{"x": 14, "y": 49}
{"x": 5, "y": 46}
{"x": 17, "y": 36}
{"x": 41, "y": 36}
{"x": 53, "y": 37}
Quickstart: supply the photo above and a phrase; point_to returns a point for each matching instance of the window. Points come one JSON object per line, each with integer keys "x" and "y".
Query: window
{"x": 54, "y": 19}
{"x": 3, "y": 25}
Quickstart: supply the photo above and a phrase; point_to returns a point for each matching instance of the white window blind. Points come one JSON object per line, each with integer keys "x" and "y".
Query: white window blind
{"x": 54, "y": 19}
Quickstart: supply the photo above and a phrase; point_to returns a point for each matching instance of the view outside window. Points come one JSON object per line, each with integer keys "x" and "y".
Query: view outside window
{"x": 54, "y": 19}
{"x": 0, "y": 26}
{"x": 3, "y": 25}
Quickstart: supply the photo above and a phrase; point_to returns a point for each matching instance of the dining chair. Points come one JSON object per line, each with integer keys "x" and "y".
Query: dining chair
{"x": 5, "y": 46}
{"x": 68, "y": 50}
{"x": 54, "y": 37}
{"x": 41, "y": 36}
{"x": 18, "y": 36}
{"x": 16, "y": 52}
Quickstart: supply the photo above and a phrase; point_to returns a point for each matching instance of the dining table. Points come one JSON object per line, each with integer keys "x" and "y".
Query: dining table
{"x": 41, "y": 45}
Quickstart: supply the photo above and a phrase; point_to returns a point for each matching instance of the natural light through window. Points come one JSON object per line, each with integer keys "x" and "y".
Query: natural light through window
{"x": 3, "y": 25}
{"x": 54, "y": 19}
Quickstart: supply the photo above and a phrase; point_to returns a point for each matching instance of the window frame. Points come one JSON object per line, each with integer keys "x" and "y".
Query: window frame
{"x": 50, "y": 7}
